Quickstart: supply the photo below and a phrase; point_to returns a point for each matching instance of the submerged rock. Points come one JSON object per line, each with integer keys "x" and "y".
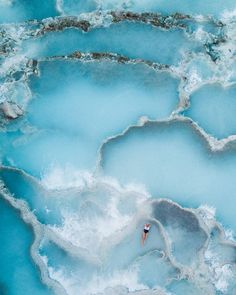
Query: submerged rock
{"x": 63, "y": 23}
{"x": 11, "y": 110}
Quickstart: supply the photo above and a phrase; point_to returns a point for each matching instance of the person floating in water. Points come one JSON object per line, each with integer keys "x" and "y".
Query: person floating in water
{"x": 146, "y": 229}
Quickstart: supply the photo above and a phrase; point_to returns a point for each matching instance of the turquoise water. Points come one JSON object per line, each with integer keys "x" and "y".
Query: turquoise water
{"x": 114, "y": 114}
{"x": 18, "y": 272}
{"x": 18, "y": 11}
{"x": 135, "y": 40}
{"x": 119, "y": 96}
{"x": 172, "y": 160}
{"x": 201, "y": 7}
{"x": 218, "y": 119}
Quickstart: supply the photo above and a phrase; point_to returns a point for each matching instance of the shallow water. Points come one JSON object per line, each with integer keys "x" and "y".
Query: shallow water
{"x": 218, "y": 119}
{"x": 114, "y": 114}
{"x": 135, "y": 40}
{"x": 18, "y": 272}
{"x": 18, "y": 11}
{"x": 172, "y": 160}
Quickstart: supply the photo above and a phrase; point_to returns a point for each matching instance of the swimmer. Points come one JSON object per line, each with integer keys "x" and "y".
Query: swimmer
{"x": 146, "y": 229}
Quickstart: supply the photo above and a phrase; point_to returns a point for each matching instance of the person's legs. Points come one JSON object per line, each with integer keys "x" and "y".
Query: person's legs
{"x": 144, "y": 236}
